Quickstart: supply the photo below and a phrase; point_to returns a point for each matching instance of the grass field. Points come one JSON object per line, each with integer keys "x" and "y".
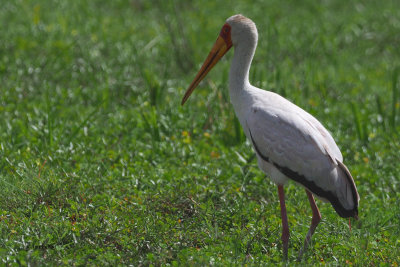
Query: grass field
{"x": 100, "y": 165}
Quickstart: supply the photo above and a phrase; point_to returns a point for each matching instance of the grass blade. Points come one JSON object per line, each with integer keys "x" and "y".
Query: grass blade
{"x": 395, "y": 96}
{"x": 357, "y": 120}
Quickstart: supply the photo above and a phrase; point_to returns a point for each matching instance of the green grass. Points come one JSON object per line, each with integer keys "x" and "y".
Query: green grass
{"x": 99, "y": 163}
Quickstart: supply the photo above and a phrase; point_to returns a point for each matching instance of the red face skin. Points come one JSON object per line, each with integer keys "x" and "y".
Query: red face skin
{"x": 226, "y": 34}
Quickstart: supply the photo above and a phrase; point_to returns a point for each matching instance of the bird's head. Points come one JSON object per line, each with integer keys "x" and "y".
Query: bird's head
{"x": 237, "y": 30}
{"x": 243, "y": 30}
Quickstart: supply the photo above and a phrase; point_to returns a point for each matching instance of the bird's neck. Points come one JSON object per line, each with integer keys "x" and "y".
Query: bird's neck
{"x": 240, "y": 67}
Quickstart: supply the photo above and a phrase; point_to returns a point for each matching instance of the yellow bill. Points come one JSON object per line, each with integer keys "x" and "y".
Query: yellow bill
{"x": 217, "y": 52}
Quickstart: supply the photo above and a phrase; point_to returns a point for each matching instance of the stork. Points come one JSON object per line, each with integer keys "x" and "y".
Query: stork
{"x": 290, "y": 143}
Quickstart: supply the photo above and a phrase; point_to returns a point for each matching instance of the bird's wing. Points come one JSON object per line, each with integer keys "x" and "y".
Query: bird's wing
{"x": 298, "y": 146}
{"x": 329, "y": 144}
{"x": 290, "y": 139}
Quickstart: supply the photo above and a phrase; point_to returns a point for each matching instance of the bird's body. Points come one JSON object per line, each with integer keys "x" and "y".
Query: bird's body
{"x": 289, "y": 140}
{"x": 290, "y": 144}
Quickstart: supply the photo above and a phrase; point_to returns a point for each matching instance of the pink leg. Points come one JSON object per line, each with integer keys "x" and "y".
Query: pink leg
{"x": 316, "y": 218}
{"x": 285, "y": 225}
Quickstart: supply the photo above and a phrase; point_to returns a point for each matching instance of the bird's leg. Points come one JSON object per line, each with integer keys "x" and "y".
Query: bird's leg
{"x": 316, "y": 218}
{"x": 285, "y": 225}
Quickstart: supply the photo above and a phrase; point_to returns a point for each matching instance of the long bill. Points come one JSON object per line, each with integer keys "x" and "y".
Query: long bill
{"x": 217, "y": 52}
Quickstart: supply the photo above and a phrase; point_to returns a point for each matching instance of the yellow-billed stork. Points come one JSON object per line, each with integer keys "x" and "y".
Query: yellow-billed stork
{"x": 290, "y": 144}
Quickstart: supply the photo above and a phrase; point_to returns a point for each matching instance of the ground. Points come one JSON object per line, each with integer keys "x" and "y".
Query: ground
{"x": 100, "y": 165}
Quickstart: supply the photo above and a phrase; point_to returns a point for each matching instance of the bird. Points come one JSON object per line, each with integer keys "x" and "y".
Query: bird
{"x": 290, "y": 143}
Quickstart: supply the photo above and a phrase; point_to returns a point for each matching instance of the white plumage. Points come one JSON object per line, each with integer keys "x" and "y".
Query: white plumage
{"x": 289, "y": 142}
{"x": 291, "y": 137}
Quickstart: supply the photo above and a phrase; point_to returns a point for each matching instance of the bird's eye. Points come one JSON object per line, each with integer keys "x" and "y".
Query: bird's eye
{"x": 226, "y": 30}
